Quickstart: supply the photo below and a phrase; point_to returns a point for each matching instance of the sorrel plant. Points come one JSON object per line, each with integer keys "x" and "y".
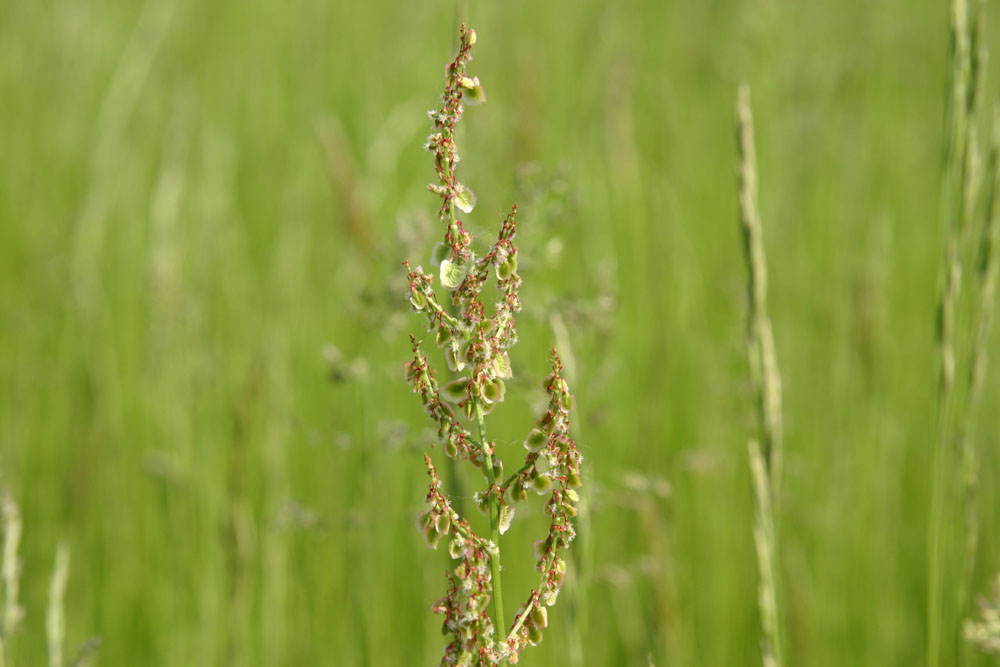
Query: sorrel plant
{"x": 477, "y": 347}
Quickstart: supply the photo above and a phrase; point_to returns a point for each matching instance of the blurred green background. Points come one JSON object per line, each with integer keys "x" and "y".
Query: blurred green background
{"x": 204, "y": 207}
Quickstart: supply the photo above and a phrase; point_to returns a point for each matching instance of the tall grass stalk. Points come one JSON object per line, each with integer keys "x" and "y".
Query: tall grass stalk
{"x": 962, "y": 327}
{"x": 985, "y": 633}
{"x": 10, "y": 574}
{"x": 55, "y": 616}
{"x": 765, "y": 462}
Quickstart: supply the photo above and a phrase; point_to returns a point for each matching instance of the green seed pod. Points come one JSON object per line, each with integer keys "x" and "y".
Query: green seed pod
{"x": 494, "y": 391}
{"x": 451, "y": 448}
{"x": 568, "y": 402}
{"x": 474, "y": 93}
{"x": 501, "y": 366}
{"x": 550, "y": 595}
{"x": 534, "y": 635}
{"x": 457, "y": 390}
{"x": 505, "y": 270}
{"x": 456, "y": 548}
{"x": 542, "y": 464}
{"x": 506, "y": 516}
{"x": 572, "y": 495}
{"x": 535, "y": 441}
{"x": 522, "y": 492}
{"x": 570, "y": 511}
{"x": 442, "y": 523}
{"x": 540, "y": 617}
{"x": 454, "y": 356}
{"x": 443, "y": 336}
{"x": 541, "y": 484}
{"x": 452, "y": 274}
{"x": 573, "y": 479}
{"x": 439, "y": 253}
{"x": 432, "y": 536}
{"x": 418, "y": 300}
{"x": 465, "y": 199}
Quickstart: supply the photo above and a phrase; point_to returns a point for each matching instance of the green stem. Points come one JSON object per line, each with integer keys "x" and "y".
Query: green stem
{"x": 524, "y": 468}
{"x": 494, "y": 509}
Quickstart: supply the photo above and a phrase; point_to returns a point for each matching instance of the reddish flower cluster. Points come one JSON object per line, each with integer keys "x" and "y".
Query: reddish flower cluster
{"x": 477, "y": 347}
{"x": 553, "y": 461}
{"x": 450, "y": 431}
{"x": 465, "y": 605}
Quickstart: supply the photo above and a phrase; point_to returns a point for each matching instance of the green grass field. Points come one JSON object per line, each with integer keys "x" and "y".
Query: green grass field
{"x": 204, "y": 208}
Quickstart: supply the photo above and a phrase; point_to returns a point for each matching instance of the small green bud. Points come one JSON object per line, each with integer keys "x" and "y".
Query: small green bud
{"x": 470, "y": 37}
{"x": 456, "y": 391}
{"x": 451, "y": 448}
{"x": 521, "y": 493}
{"x": 568, "y": 402}
{"x": 572, "y": 495}
{"x": 536, "y": 440}
{"x": 534, "y": 635}
{"x": 452, "y": 274}
{"x": 540, "y": 617}
{"x": 573, "y": 479}
{"x": 442, "y": 523}
{"x": 465, "y": 199}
